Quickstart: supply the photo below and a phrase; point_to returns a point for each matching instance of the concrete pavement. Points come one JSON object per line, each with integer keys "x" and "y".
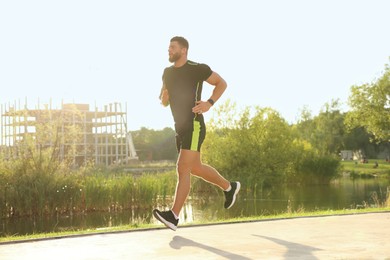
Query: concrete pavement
{"x": 361, "y": 236}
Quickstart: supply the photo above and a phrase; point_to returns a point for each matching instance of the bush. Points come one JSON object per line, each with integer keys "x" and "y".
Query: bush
{"x": 263, "y": 150}
{"x": 316, "y": 169}
{"x": 258, "y": 149}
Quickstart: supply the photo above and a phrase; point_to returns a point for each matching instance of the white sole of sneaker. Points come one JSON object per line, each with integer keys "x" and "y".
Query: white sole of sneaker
{"x": 166, "y": 223}
{"x": 235, "y": 195}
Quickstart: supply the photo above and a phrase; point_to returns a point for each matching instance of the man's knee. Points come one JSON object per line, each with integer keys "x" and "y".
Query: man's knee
{"x": 183, "y": 167}
{"x": 188, "y": 161}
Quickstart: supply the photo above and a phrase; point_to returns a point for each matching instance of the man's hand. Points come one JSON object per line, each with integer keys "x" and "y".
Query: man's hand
{"x": 201, "y": 107}
{"x": 164, "y": 97}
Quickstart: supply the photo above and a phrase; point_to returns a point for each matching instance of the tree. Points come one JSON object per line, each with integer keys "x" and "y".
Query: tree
{"x": 370, "y": 107}
{"x": 258, "y": 144}
{"x": 155, "y": 144}
{"x": 325, "y": 132}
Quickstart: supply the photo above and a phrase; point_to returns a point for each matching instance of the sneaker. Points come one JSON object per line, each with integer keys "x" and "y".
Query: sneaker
{"x": 230, "y": 196}
{"x": 167, "y": 218}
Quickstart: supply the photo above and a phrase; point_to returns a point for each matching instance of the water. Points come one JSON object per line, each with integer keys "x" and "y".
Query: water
{"x": 341, "y": 194}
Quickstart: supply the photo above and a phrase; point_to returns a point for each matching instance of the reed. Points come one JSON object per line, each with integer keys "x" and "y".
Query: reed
{"x": 39, "y": 193}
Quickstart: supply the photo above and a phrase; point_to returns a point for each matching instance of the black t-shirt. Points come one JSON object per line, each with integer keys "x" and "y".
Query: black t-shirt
{"x": 184, "y": 85}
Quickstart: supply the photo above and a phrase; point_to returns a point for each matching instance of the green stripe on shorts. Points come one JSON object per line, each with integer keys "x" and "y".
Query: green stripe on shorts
{"x": 195, "y": 136}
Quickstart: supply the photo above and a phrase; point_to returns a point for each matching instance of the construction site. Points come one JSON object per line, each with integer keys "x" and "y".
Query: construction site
{"x": 99, "y": 136}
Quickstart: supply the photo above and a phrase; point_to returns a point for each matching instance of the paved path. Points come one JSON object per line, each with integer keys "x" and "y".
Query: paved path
{"x": 362, "y": 236}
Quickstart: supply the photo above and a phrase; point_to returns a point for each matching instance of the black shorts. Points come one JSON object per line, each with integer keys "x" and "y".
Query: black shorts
{"x": 192, "y": 137}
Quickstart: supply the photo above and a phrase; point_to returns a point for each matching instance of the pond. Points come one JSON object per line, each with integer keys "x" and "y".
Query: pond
{"x": 341, "y": 194}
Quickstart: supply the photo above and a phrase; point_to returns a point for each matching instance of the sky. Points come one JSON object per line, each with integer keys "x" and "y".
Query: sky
{"x": 283, "y": 54}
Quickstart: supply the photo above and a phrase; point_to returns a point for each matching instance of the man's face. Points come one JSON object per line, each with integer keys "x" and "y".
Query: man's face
{"x": 175, "y": 51}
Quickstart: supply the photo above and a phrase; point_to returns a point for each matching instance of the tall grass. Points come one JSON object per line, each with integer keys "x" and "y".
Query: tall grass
{"x": 37, "y": 193}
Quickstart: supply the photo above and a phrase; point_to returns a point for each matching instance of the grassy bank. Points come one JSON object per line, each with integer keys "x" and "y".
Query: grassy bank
{"x": 366, "y": 170}
{"x": 127, "y": 228}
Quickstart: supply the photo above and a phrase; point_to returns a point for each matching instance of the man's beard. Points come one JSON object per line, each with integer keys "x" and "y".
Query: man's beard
{"x": 174, "y": 57}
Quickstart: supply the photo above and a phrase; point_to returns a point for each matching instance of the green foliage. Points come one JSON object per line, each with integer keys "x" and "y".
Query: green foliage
{"x": 260, "y": 148}
{"x": 370, "y": 104}
{"x": 324, "y": 132}
{"x": 328, "y": 134}
{"x": 155, "y": 145}
{"x": 314, "y": 168}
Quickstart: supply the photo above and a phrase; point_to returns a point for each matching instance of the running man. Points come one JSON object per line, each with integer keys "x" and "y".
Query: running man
{"x": 182, "y": 89}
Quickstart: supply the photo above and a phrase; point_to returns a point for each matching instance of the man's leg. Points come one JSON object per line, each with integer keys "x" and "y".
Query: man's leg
{"x": 210, "y": 174}
{"x": 185, "y": 163}
{"x": 189, "y": 163}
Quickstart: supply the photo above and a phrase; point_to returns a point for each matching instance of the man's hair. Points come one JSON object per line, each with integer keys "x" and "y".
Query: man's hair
{"x": 182, "y": 41}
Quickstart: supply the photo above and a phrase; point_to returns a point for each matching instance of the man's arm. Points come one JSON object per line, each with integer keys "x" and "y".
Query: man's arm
{"x": 164, "y": 96}
{"x": 220, "y": 86}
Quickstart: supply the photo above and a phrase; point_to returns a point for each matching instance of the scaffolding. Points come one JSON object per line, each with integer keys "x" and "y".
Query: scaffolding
{"x": 102, "y": 134}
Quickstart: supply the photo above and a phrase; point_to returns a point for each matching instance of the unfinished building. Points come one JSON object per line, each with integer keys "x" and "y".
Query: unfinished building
{"x": 101, "y": 135}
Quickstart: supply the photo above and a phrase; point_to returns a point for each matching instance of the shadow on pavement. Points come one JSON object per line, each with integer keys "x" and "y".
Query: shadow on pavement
{"x": 178, "y": 242}
{"x": 293, "y": 249}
